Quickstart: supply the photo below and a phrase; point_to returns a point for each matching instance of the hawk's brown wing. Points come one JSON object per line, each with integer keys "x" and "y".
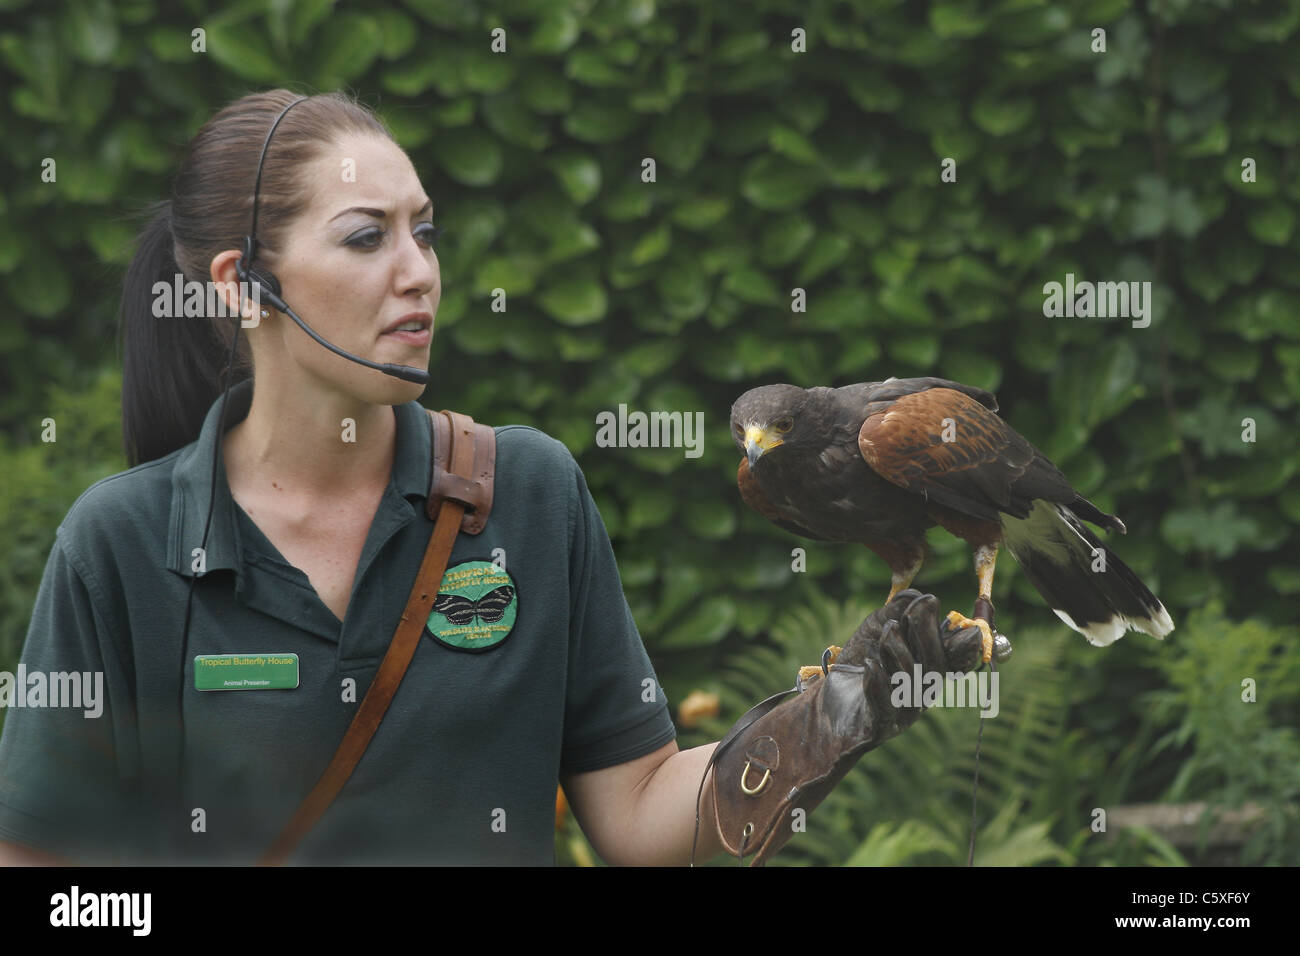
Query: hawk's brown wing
{"x": 985, "y": 468}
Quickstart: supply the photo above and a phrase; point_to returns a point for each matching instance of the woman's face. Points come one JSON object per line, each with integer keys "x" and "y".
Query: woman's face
{"x": 358, "y": 260}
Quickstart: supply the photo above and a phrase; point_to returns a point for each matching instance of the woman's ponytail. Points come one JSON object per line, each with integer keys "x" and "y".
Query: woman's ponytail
{"x": 171, "y": 365}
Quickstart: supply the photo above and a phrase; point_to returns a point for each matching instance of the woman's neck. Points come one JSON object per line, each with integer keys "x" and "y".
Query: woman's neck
{"x": 313, "y": 452}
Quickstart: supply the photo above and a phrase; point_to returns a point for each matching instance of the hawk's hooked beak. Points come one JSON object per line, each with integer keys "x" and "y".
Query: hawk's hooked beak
{"x": 757, "y": 441}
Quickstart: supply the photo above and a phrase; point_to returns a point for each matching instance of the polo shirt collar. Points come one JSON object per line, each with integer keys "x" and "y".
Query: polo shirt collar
{"x": 192, "y": 482}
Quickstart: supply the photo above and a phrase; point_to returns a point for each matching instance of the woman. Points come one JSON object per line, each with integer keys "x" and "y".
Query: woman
{"x": 316, "y": 531}
{"x": 312, "y": 551}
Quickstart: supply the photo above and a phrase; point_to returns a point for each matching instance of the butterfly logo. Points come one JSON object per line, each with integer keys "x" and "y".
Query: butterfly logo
{"x": 490, "y": 608}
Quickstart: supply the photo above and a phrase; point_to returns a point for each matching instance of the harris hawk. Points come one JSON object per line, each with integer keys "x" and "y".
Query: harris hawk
{"x": 881, "y": 462}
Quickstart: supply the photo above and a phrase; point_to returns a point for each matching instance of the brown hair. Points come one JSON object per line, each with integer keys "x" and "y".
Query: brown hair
{"x": 172, "y": 368}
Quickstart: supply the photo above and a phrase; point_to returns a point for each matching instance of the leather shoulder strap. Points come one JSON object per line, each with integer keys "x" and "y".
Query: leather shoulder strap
{"x": 475, "y": 493}
{"x": 465, "y": 477}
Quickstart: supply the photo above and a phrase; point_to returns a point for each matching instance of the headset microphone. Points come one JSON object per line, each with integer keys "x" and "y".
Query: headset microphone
{"x": 268, "y": 289}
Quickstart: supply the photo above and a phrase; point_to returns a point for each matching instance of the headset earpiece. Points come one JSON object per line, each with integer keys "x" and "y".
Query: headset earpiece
{"x": 268, "y": 286}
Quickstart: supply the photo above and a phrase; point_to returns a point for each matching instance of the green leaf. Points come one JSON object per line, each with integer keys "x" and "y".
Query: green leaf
{"x": 785, "y": 237}
{"x": 920, "y": 350}
{"x": 578, "y": 173}
{"x": 1284, "y": 580}
{"x": 794, "y": 145}
{"x": 827, "y": 251}
{"x": 873, "y": 91}
{"x": 652, "y": 246}
{"x": 1095, "y": 387}
{"x": 857, "y": 358}
{"x": 545, "y": 90}
{"x": 555, "y": 32}
{"x": 509, "y": 118}
{"x": 170, "y": 44}
{"x": 595, "y": 122}
{"x": 683, "y": 287}
{"x": 306, "y": 14}
{"x": 578, "y": 301}
{"x": 957, "y": 20}
{"x": 471, "y": 157}
{"x": 649, "y": 359}
{"x": 1219, "y": 529}
{"x": 707, "y": 623}
{"x": 92, "y": 31}
{"x": 591, "y": 68}
{"x": 712, "y": 520}
{"x": 678, "y": 137}
{"x": 398, "y": 32}
{"x": 972, "y": 368}
{"x": 842, "y": 308}
{"x": 774, "y": 183}
{"x": 243, "y": 51}
{"x": 345, "y": 49}
{"x": 110, "y": 239}
{"x": 1271, "y": 222}
{"x": 751, "y": 285}
{"x": 700, "y": 212}
{"x": 485, "y": 71}
{"x": 1234, "y": 361}
{"x": 890, "y": 844}
{"x": 1001, "y": 117}
{"x": 41, "y": 287}
{"x": 650, "y": 507}
{"x": 517, "y": 274}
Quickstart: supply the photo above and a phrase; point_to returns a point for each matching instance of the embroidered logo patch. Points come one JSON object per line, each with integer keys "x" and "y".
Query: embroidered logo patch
{"x": 475, "y": 608}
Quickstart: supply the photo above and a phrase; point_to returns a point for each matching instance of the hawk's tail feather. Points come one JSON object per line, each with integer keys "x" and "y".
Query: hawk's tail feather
{"x": 1059, "y": 556}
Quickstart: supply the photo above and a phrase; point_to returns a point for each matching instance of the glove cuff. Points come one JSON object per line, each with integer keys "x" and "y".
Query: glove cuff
{"x": 791, "y": 758}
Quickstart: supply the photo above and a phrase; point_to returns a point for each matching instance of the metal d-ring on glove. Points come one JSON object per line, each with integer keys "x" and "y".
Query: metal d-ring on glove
{"x": 786, "y": 754}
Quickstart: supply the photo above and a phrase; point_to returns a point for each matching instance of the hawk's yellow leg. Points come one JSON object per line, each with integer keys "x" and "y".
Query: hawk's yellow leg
{"x": 986, "y": 558}
{"x": 902, "y": 580}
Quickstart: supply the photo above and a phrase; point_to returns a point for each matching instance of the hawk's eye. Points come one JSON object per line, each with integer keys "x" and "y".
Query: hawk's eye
{"x": 783, "y": 424}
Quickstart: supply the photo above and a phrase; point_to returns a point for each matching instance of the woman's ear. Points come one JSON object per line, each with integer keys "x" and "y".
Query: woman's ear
{"x": 226, "y": 280}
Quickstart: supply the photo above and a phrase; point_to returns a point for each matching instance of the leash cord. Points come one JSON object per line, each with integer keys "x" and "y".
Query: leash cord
{"x": 975, "y": 784}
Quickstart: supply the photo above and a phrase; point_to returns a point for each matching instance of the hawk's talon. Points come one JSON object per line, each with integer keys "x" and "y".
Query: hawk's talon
{"x": 812, "y": 671}
{"x": 959, "y": 621}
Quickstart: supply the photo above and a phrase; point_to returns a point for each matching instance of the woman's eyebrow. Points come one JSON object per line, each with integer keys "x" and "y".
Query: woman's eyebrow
{"x": 380, "y": 213}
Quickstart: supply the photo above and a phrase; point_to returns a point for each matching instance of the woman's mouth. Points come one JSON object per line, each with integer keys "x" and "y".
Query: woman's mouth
{"x": 414, "y": 329}
{"x": 410, "y": 337}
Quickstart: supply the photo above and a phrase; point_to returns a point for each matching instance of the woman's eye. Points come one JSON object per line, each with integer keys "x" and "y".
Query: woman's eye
{"x": 429, "y": 235}
{"x": 366, "y": 240}
{"x": 371, "y": 238}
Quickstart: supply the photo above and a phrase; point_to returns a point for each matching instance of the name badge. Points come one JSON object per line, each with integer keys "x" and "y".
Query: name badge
{"x": 246, "y": 672}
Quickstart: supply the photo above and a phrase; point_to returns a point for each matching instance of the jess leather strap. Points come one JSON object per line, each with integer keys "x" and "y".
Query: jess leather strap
{"x": 461, "y": 478}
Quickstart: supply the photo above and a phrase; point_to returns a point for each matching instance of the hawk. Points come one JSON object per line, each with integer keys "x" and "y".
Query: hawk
{"x": 880, "y": 462}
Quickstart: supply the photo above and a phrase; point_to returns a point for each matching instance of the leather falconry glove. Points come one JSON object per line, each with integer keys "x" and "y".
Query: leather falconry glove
{"x": 788, "y": 754}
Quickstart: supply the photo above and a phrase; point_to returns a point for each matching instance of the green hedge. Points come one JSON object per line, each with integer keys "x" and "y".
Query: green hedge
{"x": 775, "y": 170}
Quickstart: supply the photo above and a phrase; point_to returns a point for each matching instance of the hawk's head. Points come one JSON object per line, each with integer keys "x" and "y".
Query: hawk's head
{"x": 768, "y": 417}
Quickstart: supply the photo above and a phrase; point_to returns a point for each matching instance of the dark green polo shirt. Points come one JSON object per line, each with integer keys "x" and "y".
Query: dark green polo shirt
{"x": 544, "y": 672}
